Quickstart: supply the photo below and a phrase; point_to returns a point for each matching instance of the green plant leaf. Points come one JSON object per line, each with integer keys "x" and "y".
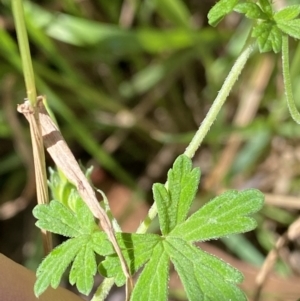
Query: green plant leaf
{"x": 136, "y": 248}
{"x": 266, "y": 6}
{"x": 80, "y": 224}
{"x": 54, "y": 265}
{"x": 152, "y": 283}
{"x": 84, "y": 269}
{"x": 64, "y": 191}
{"x": 291, "y": 28}
{"x": 226, "y": 214}
{"x": 251, "y": 10}
{"x": 84, "y": 216}
{"x": 220, "y": 10}
{"x": 269, "y": 37}
{"x": 59, "y": 186}
{"x": 203, "y": 276}
{"x": 173, "y": 204}
{"x": 57, "y": 218}
{"x": 287, "y": 13}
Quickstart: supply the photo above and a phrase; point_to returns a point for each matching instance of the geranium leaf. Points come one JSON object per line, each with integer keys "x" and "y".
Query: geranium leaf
{"x": 269, "y": 37}
{"x": 226, "y": 214}
{"x": 57, "y": 218}
{"x": 54, "y": 265}
{"x": 173, "y": 203}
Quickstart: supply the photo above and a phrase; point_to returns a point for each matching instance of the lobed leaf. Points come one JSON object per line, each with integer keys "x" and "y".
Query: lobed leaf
{"x": 251, "y": 10}
{"x": 54, "y": 265}
{"x": 60, "y": 219}
{"x": 136, "y": 249}
{"x": 290, "y": 27}
{"x": 203, "y": 276}
{"x": 173, "y": 204}
{"x": 226, "y": 214}
{"x": 220, "y": 10}
{"x": 152, "y": 283}
{"x": 269, "y": 37}
{"x": 287, "y": 13}
{"x": 57, "y": 218}
{"x": 84, "y": 269}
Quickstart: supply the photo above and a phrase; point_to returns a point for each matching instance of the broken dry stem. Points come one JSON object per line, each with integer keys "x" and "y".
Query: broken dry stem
{"x": 65, "y": 161}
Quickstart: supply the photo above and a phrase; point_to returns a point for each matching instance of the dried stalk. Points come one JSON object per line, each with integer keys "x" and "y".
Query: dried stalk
{"x": 65, "y": 161}
{"x": 39, "y": 165}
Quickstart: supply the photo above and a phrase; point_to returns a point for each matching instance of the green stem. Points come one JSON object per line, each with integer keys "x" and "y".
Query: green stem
{"x": 103, "y": 289}
{"x": 218, "y": 102}
{"x": 147, "y": 221}
{"x": 35, "y": 128}
{"x": 207, "y": 122}
{"x": 18, "y": 13}
{"x": 287, "y": 80}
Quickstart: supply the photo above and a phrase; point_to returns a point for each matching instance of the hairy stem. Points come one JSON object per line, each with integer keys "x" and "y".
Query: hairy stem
{"x": 287, "y": 80}
{"x": 207, "y": 122}
{"x": 218, "y": 102}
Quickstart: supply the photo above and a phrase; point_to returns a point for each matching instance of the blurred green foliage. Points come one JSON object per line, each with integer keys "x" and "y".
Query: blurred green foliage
{"x": 130, "y": 79}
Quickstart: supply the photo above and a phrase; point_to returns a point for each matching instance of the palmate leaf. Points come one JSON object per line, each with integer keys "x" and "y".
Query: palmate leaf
{"x": 87, "y": 240}
{"x": 226, "y": 214}
{"x": 174, "y": 204}
{"x": 268, "y": 35}
{"x": 203, "y": 276}
{"x": 57, "y": 218}
{"x": 54, "y": 265}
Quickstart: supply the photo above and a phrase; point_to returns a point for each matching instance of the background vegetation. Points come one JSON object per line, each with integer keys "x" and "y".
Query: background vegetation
{"x": 129, "y": 82}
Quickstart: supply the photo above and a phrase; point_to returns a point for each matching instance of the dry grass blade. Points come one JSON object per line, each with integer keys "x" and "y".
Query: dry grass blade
{"x": 39, "y": 164}
{"x": 66, "y": 162}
